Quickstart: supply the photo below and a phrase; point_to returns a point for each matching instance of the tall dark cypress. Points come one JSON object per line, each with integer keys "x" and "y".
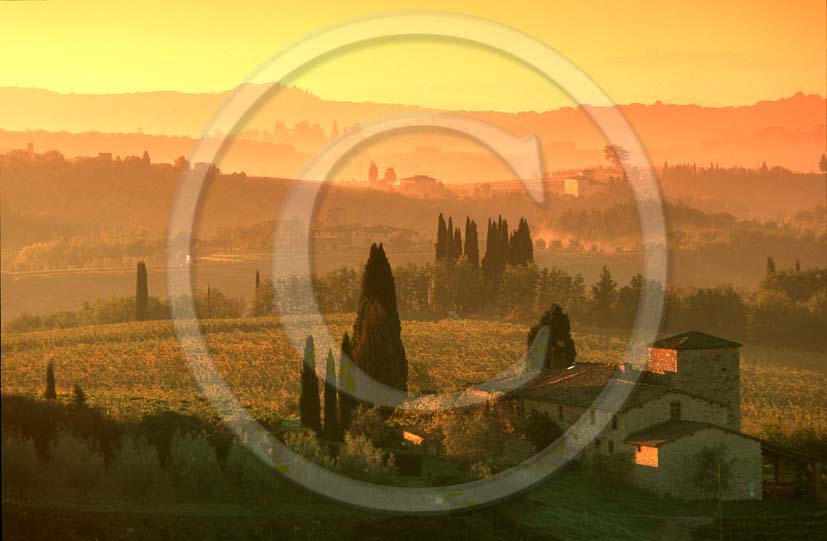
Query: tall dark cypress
{"x": 472, "y": 247}
{"x": 441, "y": 245}
{"x": 51, "y": 387}
{"x": 450, "y": 238}
{"x": 457, "y": 244}
{"x": 331, "y": 409}
{"x": 489, "y": 263}
{"x": 256, "y": 296}
{"x": 347, "y": 384}
{"x": 309, "y": 405}
{"x": 520, "y": 247}
{"x": 503, "y": 248}
{"x": 528, "y": 242}
{"x": 141, "y": 293}
{"x": 377, "y": 333}
{"x": 557, "y": 350}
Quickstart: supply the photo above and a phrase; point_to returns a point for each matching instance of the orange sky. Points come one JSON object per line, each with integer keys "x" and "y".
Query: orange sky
{"x": 706, "y": 52}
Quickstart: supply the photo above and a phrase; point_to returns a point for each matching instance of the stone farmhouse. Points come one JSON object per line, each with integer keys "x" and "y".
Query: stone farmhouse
{"x": 687, "y": 398}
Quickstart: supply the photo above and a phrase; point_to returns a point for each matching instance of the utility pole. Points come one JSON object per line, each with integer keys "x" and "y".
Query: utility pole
{"x": 720, "y": 509}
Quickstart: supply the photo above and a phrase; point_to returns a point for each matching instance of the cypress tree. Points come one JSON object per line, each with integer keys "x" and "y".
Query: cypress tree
{"x": 141, "y": 293}
{"x": 489, "y": 261}
{"x": 770, "y": 266}
{"x": 256, "y": 297}
{"x": 558, "y": 349}
{"x": 51, "y": 388}
{"x": 441, "y": 245}
{"x": 472, "y": 247}
{"x": 457, "y": 244}
{"x": 502, "y": 250}
{"x": 309, "y": 406}
{"x": 520, "y": 247}
{"x": 450, "y": 240}
{"x": 331, "y": 423}
{"x": 377, "y": 333}
{"x": 528, "y": 242}
{"x": 347, "y": 404}
{"x": 78, "y": 396}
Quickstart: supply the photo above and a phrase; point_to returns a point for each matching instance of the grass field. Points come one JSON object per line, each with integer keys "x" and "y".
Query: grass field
{"x": 131, "y": 369}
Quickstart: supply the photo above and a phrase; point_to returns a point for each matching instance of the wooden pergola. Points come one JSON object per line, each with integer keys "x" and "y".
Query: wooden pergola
{"x": 786, "y": 460}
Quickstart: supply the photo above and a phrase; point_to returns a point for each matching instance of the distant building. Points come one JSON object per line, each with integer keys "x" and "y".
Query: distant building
{"x": 336, "y": 217}
{"x": 365, "y": 236}
{"x": 583, "y": 185}
{"x": 422, "y": 186}
{"x": 331, "y": 238}
{"x": 578, "y": 187}
{"x": 328, "y": 237}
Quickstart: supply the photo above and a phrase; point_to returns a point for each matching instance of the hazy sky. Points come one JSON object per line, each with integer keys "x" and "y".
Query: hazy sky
{"x": 707, "y": 52}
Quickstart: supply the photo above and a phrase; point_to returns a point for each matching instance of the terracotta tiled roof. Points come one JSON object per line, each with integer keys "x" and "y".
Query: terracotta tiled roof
{"x": 581, "y": 385}
{"x": 657, "y": 435}
{"x": 694, "y": 340}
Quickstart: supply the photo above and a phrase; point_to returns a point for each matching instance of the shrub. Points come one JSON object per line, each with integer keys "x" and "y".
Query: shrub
{"x": 21, "y": 468}
{"x": 306, "y": 443}
{"x": 40, "y": 420}
{"x": 358, "y": 458}
{"x": 708, "y": 461}
{"x": 158, "y": 430}
{"x": 244, "y": 469}
{"x": 136, "y": 470}
{"x": 368, "y": 422}
{"x": 611, "y": 471}
{"x": 472, "y": 437}
{"x": 74, "y": 462}
{"x": 539, "y": 429}
{"x": 481, "y": 470}
{"x": 194, "y": 465}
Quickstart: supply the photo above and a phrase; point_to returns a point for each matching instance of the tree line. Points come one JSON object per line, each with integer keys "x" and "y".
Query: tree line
{"x": 788, "y": 309}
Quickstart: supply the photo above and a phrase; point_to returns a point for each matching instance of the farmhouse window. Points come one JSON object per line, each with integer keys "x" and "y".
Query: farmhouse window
{"x": 614, "y": 422}
{"x": 675, "y": 410}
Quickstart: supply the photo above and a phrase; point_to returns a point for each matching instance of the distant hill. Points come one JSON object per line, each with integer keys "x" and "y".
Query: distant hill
{"x": 789, "y": 132}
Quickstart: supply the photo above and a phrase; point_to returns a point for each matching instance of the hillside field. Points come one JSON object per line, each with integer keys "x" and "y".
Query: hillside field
{"x": 135, "y": 368}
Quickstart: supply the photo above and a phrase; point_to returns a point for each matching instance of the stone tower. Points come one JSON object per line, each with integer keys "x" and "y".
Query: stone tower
{"x": 704, "y": 366}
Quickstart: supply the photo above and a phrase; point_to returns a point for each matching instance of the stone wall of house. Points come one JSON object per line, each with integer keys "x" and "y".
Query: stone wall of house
{"x": 610, "y": 435}
{"x": 658, "y": 410}
{"x": 677, "y": 465}
{"x": 599, "y": 434}
{"x": 565, "y": 416}
{"x": 714, "y": 374}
